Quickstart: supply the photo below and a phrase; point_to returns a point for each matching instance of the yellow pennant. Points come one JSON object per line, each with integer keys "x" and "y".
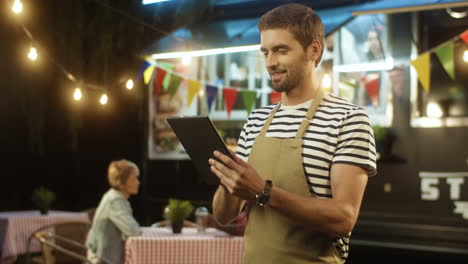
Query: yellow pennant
{"x": 147, "y": 74}
{"x": 193, "y": 88}
{"x": 421, "y": 65}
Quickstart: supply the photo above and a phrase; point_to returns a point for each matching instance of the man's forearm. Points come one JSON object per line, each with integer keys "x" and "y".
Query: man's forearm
{"x": 226, "y": 207}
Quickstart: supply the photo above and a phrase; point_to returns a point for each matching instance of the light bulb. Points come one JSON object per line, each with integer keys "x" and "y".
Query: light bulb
{"x": 129, "y": 84}
{"x": 17, "y": 7}
{"x": 77, "y": 94}
{"x": 32, "y": 55}
{"x": 103, "y": 99}
{"x": 465, "y": 56}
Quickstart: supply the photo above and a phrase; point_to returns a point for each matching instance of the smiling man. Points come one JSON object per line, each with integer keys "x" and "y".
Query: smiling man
{"x": 302, "y": 165}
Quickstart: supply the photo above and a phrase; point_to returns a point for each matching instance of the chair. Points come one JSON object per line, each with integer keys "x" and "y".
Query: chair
{"x": 61, "y": 243}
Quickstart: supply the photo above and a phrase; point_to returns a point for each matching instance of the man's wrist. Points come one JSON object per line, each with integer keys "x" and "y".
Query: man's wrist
{"x": 263, "y": 197}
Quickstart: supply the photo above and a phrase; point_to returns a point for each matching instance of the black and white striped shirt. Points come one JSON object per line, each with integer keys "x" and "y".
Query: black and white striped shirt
{"x": 340, "y": 132}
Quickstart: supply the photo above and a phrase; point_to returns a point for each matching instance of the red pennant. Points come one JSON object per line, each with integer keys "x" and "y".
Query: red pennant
{"x": 275, "y": 97}
{"x": 158, "y": 81}
{"x": 229, "y": 95}
{"x": 464, "y": 36}
{"x": 372, "y": 83}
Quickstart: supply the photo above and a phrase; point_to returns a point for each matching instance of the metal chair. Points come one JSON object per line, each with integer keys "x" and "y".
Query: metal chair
{"x": 61, "y": 243}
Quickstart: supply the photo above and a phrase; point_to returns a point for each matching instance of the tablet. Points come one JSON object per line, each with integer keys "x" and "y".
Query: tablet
{"x": 199, "y": 138}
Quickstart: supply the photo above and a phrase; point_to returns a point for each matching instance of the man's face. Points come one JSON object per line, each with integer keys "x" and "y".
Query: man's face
{"x": 285, "y": 59}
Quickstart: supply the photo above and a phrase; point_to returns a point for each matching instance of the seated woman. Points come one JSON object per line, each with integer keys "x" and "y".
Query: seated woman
{"x": 113, "y": 221}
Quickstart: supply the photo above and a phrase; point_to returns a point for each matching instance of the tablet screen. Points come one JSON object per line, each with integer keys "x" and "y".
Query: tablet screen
{"x": 199, "y": 138}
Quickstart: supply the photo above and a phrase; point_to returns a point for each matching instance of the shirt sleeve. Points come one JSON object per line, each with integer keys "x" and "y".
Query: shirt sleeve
{"x": 121, "y": 215}
{"x": 241, "y": 150}
{"x": 356, "y": 144}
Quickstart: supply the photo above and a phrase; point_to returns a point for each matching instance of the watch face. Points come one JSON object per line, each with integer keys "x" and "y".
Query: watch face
{"x": 263, "y": 198}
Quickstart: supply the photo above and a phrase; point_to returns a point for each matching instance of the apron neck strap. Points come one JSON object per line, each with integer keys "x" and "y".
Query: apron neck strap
{"x": 305, "y": 123}
{"x": 310, "y": 114}
{"x": 268, "y": 122}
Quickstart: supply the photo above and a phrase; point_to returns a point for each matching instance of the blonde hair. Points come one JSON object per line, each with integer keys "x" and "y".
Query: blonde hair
{"x": 119, "y": 171}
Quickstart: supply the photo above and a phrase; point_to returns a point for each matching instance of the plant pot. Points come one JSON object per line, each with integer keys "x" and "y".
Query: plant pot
{"x": 177, "y": 226}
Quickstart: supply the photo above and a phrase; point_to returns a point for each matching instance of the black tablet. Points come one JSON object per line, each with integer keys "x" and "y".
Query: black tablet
{"x": 199, "y": 138}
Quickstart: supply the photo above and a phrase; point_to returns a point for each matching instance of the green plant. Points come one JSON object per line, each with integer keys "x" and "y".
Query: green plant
{"x": 43, "y": 197}
{"x": 179, "y": 210}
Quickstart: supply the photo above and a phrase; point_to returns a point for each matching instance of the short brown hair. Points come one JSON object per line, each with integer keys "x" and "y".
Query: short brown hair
{"x": 119, "y": 171}
{"x": 302, "y": 21}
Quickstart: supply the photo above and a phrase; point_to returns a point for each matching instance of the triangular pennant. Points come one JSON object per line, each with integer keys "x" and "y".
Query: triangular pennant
{"x": 147, "y": 74}
{"x": 464, "y": 36}
{"x": 211, "y": 92}
{"x": 248, "y": 97}
{"x": 230, "y": 96}
{"x": 143, "y": 67}
{"x": 175, "y": 83}
{"x": 193, "y": 88}
{"x": 158, "y": 80}
{"x": 445, "y": 55}
{"x": 421, "y": 65}
{"x": 372, "y": 84}
{"x": 275, "y": 97}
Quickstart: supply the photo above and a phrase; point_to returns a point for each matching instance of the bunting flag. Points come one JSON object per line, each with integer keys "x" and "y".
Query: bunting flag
{"x": 174, "y": 84}
{"x": 193, "y": 89}
{"x": 248, "y": 97}
{"x": 421, "y": 65}
{"x": 158, "y": 80}
{"x": 464, "y": 36}
{"x": 445, "y": 55}
{"x": 372, "y": 83}
{"x": 275, "y": 97}
{"x": 143, "y": 67}
{"x": 230, "y": 96}
{"x": 147, "y": 74}
{"x": 211, "y": 92}
{"x": 347, "y": 90}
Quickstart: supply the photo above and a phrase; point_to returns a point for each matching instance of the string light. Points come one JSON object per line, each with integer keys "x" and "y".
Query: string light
{"x": 129, "y": 84}
{"x": 17, "y": 7}
{"x": 77, "y": 94}
{"x": 465, "y": 56}
{"x": 32, "y": 55}
{"x": 103, "y": 99}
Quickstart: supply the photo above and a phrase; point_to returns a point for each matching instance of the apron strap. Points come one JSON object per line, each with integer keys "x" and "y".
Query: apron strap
{"x": 268, "y": 122}
{"x": 310, "y": 114}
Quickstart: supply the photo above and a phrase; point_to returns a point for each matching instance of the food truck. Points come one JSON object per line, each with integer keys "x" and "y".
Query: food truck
{"x": 404, "y": 62}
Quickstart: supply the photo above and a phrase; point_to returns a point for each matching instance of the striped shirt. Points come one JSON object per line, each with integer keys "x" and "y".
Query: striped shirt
{"x": 340, "y": 132}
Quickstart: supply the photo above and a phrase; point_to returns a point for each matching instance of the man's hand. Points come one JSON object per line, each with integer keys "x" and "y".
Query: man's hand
{"x": 237, "y": 176}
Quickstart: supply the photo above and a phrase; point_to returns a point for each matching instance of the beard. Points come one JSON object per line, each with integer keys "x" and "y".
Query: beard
{"x": 292, "y": 79}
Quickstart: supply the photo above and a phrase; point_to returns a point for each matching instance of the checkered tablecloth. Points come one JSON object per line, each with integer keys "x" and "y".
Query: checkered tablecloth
{"x": 17, "y": 227}
{"x": 160, "y": 245}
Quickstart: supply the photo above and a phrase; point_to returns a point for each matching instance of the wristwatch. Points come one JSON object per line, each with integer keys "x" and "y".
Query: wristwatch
{"x": 263, "y": 197}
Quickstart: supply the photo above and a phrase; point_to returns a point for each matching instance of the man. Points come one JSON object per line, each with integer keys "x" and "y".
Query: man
{"x": 302, "y": 165}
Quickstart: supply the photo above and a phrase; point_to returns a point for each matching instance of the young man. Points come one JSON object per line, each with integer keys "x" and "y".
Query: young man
{"x": 302, "y": 165}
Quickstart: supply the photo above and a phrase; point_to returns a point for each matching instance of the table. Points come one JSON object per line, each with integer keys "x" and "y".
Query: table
{"x": 17, "y": 227}
{"x": 160, "y": 245}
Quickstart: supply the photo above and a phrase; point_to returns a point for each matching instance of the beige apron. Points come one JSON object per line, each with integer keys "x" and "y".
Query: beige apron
{"x": 271, "y": 237}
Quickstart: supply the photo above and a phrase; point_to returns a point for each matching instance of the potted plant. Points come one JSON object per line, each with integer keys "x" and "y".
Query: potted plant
{"x": 43, "y": 199}
{"x": 178, "y": 211}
